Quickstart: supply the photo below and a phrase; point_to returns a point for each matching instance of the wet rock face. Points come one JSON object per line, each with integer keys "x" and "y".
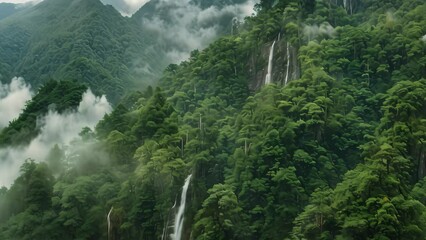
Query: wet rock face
{"x": 285, "y": 65}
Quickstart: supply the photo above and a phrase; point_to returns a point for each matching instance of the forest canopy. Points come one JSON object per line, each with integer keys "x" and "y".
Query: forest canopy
{"x": 333, "y": 148}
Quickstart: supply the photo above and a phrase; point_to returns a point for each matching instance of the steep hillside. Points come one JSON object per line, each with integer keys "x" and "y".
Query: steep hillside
{"x": 92, "y": 43}
{"x": 58, "y": 96}
{"x": 75, "y": 40}
{"x": 7, "y": 9}
{"x": 308, "y": 122}
{"x": 184, "y": 25}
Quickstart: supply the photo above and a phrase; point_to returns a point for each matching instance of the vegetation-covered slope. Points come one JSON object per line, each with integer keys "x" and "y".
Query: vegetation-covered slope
{"x": 92, "y": 43}
{"x": 336, "y": 153}
{"x": 58, "y": 96}
{"x": 75, "y": 40}
{"x": 8, "y": 9}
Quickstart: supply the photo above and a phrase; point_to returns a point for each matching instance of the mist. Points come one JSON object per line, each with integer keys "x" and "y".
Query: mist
{"x": 311, "y": 32}
{"x": 56, "y": 128}
{"x": 126, "y": 7}
{"x": 183, "y": 26}
{"x": 13, "y": 97}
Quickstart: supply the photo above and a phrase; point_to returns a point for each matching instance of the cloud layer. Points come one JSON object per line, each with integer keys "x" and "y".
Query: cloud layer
{"x": 183, "y": 26}
{"x": 56, "y": 128}
{"x": 13, "y": 97}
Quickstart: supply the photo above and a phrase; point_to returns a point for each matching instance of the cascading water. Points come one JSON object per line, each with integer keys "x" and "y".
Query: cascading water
{"x": 347, "y": 4}
{"x": 271, "y": 56}
{"x": 109, "y": 222}
{"x": 179, "y": 218}
{"x": 166, "y": 226}
{"x": 234, "y": 23}
{"x": 295, "y": 68}
{"x": 288, "y": 64}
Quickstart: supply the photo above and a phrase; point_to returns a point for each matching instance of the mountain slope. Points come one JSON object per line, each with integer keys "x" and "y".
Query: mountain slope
{"x": 74, "y": 40}
{"x": 59, "y": 96}
{"x": 7, "y": 9}
{"x": 331, "y": 148}
{"x": 92, "y": 43}
{"x": 184, "y": 25}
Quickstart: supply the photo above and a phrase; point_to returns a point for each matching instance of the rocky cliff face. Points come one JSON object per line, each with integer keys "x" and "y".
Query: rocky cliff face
{"x": 285, "y": 63}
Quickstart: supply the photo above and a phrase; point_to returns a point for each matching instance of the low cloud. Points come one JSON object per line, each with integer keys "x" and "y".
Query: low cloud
{"x": 56, "y": 128}
{"x": 13, "y": 97}
{"x": 186, "y": 26}
{"x": 312, "y": 32}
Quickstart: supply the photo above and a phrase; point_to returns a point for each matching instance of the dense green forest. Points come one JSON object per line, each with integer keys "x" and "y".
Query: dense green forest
{"x": 92, "y": 43}
{"x": 333, "y": 148}
{"x": 63, "y": 40}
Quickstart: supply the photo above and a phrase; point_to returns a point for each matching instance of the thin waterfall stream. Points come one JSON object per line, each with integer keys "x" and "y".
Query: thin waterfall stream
{"x": 271, "y": 57}
{"x": 179, "y": 218}
{"x": 288, "y": 64}
{"x": 109, "y": 222}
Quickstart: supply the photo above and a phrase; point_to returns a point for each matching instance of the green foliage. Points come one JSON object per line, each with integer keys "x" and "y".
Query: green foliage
{"x": 152, "y": 121}
{"x": 337, "y": 153}
{"x": 58, "y": 96}
{"x": 88, "y": 42}
{"x": 9, "y": 9}
{"x": 31, "y": 191}
{"x": 219, "y": 214}
{"x": 317, "y": 221}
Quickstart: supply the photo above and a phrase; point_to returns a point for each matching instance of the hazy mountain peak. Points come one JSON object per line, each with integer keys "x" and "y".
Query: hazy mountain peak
{"x": 9, "y": 9}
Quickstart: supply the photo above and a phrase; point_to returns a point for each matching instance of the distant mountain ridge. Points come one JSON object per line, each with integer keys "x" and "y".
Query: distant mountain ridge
{"x": 8, "y": 9}
{"x": 74, "y": 40}
{"x": 184, "y": 25}
{"x": 90, "y": 42}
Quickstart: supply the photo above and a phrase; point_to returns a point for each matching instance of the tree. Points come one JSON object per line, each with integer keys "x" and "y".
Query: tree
{"x": 317, "y": 221}
{"x": 218, "y": 218}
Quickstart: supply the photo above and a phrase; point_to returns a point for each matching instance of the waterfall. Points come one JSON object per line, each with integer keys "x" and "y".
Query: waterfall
{"x": 271, "y": 56}
{"x": 234, "y": 23}
{"x": 347, "y": 4}
{"x": 109, "y": 222}
{"x": 288, "y": 64}
{"x": 179, "y": 218}
{"x": 295, "y": 73}
{"x": 166, "y": 226}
